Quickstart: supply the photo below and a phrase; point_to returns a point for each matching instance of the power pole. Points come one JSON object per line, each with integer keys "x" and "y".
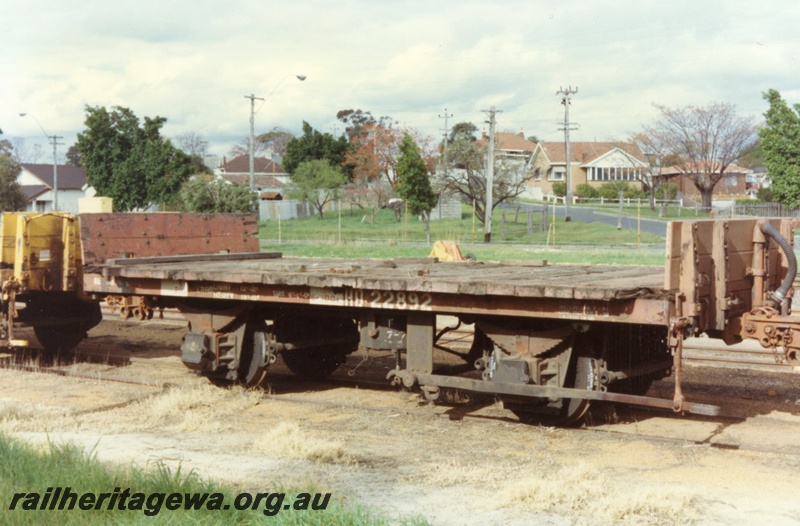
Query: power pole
{"x": 54, "y": 139}
{"x": 566, "y": 101}
{"x": 253, "y": 99}
{"x": 487, "y": 209}
{"x": 446, "y": 132}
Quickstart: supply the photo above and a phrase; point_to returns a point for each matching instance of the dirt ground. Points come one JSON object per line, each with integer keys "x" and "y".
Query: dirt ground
{"x": 462, "y": 463}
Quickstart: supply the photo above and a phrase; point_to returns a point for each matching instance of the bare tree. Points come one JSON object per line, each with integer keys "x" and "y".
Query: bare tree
{"x": 705, "y": 141}
{"x": 369, "y": 196}
{"x": 466, "y": 174}
{"x": 192, "y": 144}
{"x": 654, "y": 151}
{"x": 272, "y": 142}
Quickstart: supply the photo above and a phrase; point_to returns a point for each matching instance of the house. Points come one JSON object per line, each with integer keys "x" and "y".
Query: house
{"x": 37, "y": 184}
{"x": 268, "y": 174}
{"x": 733, "y": 184}
{"x": 593, "y": 163}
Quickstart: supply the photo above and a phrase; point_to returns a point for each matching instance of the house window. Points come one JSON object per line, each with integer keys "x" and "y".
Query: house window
{"x": 537, "y": 174}
{"x": 556, "y": 174}
{"x": 730, "y": 180}
{"x": 40, "y": 206}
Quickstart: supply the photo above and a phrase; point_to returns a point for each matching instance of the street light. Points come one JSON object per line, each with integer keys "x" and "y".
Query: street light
{"x": 253, "y": 112}
{"x": 54, "y": 139}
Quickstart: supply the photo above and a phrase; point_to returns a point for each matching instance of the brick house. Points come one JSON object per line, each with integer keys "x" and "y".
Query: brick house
{"x": 732, "y": 185}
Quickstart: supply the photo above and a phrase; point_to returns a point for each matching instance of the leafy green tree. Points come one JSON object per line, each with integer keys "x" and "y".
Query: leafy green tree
{"x": 313, "y": 145}
{"x": 129, "y": 162}
{"x": 414, "y": 184}
{"x": 318, "y": 182}
{"x": 11, "y": 196}
{"x": 203, "y": 194}
{"x": 780, "y": 142}
{"x": 463, "y": 130}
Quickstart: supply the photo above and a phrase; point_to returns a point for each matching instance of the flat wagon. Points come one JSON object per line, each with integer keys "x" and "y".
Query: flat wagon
{"x": 548, "y": 339}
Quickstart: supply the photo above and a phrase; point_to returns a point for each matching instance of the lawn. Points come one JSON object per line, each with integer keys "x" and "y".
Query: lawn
{"x": 353, "y": 226}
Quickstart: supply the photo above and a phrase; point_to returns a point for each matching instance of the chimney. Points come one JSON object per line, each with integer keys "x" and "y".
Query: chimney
{"x": 521, "y": 133}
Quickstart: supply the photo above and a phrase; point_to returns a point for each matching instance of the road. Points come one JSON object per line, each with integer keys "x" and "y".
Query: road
{"x": 588, "y": 215}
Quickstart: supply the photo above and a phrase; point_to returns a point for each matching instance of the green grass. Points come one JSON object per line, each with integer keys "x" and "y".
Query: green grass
{"x": 27, "y": 469}
{"x": 355, "y": 227}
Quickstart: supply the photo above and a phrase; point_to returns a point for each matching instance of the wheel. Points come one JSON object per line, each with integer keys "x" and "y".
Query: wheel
{"x": 313, "y": 359}
{"x": 314, "y": 364}
{"x": 566, "y": 411}
{"x": 252, "y": 369}
{"x": 59, "y": 342}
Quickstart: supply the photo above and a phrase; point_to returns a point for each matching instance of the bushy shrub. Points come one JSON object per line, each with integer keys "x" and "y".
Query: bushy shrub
{"x": 586, "y": 191}
{"x": 667, "y": 191}
{"x": 612, "y": 189}
{"x": 764, "y": 195}
{"x": 560, "y": 188}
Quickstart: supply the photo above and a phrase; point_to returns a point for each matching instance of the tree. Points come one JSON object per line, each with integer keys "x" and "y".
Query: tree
{"x": 129, "y": 162}
{"x": 373, "y": 154}
{"x": 272, "y": 142}
{"x": 203, "y": 194}
{"x": 463, "y": 130}
{"x": 192, "y": 144}
{"x": 356, "y": 120}
{"x": 466, "y": 175}
{"x": 414, "y": 184}
{"x": 655, "y": 151}
{"x": 12, "y": 198}
{"x": 705, "y": 140}
{"x": 780, "y": 142}
{"x": 313, "y": 145}
{"x": 74, "y": 156}
{"x": 368, "y": 195}
{"x": 318, "y": 182}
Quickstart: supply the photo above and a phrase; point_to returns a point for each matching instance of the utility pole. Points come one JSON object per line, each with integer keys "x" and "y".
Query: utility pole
{"x": 446, "y": 133}
{"x": 253, "y": 99}
{"x": 487, "y": 209}
{"x": 566, "y": 101}
{"x": 54, "y": 139}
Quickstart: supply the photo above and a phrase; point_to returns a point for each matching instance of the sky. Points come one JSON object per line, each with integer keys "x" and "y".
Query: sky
{"x": 195, "y": 62}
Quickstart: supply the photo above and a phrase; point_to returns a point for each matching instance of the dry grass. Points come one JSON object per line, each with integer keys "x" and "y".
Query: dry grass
{"x": 288, "y": 441}
{"x": 196, "y": 407}
{"x": 583, "y": 491}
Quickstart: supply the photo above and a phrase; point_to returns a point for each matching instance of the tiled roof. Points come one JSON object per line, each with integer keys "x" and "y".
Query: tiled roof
{"x": 260, "y": 180}
{"x": 271, "y": 196}
{"x": 511, "y": 141}
{"x": 584, "y": 152}
{"x": 730, "y": 169}
{"x": 69, "y": 177}
{"x": 262, "y": 165}
{"x": 32, "y": 191}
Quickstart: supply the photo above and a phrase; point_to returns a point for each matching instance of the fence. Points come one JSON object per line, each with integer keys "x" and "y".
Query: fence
{"x": 533, "y": 220}
{"x": 764, "y": 210}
